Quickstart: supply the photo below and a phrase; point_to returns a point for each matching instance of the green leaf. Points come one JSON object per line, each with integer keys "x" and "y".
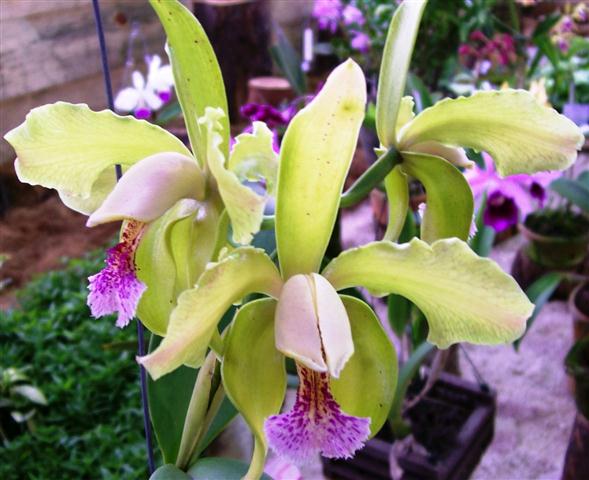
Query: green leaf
{"x": 539, "y": 293}
{"x": 449, "y": 202}
{"x": 419, "y": 92}
{"x": 168, "y": 411}
{"x": 521, "y": 135}
{"x": 215, "y": 468}
{"x": 170, "y": 472}
{"x": 253, "y": 157}
{"x": 244, "y": 206}
{"x": 289, "y": 63}
{"x": 574, "y": 191}
{"x": 463, "y": 296}
{"x": 396, "y": 58}
{"x": 482, "y": 241}
{"x": 192, "y": 324}
{"x": 315, "y": 156}
{"x": 171, "y": 256}
{"x": 398, "y": 313}
{"x": 197, "y": 77}
{"x": 372, "y": 368}
{"x": 406, "y": 374}
{"x": 253, "y": 372}
{"x": 73, "y": 149}
{"x": 397, "y": 187}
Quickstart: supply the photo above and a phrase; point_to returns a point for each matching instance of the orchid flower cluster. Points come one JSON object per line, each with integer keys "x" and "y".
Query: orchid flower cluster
{"x": 177, "y": 270}
{"x": 147, "y": 96}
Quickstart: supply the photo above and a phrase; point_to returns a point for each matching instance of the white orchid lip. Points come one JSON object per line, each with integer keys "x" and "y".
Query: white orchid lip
{"x": 312, "y": 325}
{"x": 150, "y": 187}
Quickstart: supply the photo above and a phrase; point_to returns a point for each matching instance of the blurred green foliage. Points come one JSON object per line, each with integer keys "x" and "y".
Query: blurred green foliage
{"x": 92, "y": 425}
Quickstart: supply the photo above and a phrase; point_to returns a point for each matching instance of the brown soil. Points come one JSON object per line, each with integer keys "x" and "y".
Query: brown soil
{"x": 35, "y": 238}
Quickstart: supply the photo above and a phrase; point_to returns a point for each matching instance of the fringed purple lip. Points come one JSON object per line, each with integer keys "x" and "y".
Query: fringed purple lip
{"x": 116, "y": 289}
{"x": 316, "y": 423}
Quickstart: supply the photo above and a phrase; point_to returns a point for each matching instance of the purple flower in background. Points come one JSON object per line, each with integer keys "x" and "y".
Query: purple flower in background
{"x": 501, "y": 212}
{"x": 328, "y": 14}
{"x": 258, "y": 112}
{"x": 361, "y": 42}
{"x": 352, "y": 16}
{"x": 520, "y": 193}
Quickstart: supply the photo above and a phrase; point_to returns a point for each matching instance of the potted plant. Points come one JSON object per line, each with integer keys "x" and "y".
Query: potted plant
{"x": 576, "y": 463}
{"x": 185, "y": 257}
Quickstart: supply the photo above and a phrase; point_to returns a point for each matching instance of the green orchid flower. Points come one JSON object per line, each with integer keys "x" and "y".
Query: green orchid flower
{"x": 521, "y": 135}
{"x": 175, "y": 205}
{"x": 336, "y": 341}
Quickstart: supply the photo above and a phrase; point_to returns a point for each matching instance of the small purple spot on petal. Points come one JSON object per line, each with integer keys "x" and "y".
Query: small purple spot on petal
{"x": 165, "y": 95}
{"x": 315, "y": 424}
{"x": 142, "y": 113}
{"x": 116, "y": 287}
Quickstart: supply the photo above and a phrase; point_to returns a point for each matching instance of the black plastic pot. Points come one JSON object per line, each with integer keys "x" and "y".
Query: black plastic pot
{"x": 452, "y": 427}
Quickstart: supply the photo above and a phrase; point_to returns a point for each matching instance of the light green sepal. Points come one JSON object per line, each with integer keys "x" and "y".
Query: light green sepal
{"x": 192, "y": 323}
{"x": 69, "y": 147}
{"x": 253, "y": 372}
{"x": 315, "y": 156}
{"x": 396, "y": 57}
{"x": 171, "y": 256}
{"x": 449, "y": 203}
{"x": 253, "y": 157}
{"x": 197, "y": 77}
{"x": 397, "y": 188}
{"x": 244, "y": 206}
{"x": 464, "y": 297}
{"x": 521, "y": 135}
{"x": 406, "y": 113}
{"x": 372, "y": 368}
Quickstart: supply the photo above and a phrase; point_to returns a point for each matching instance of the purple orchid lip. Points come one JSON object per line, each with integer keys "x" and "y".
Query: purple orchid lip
{"x": 142, "y": 113}
{"x": 501, "y": 211}
{"x": 316, "y": 423}
{"x": 165, "y": 95}
{"x": 116, "y": 288}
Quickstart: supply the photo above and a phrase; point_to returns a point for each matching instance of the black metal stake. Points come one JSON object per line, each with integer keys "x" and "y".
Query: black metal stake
{"x": 119, "y": 174}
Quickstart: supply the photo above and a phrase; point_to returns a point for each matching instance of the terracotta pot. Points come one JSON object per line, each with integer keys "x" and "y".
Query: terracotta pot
{"x": 555, "y": 251}
{"x": 579, "y": 309}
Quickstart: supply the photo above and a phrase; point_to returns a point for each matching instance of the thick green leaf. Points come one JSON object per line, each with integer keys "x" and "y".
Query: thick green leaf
{"x": 396, "y": 58}
{"x": 482, "y": 241}
{"x": 367, "y": 383}
{"x": 449, "y": 198}
{"x": 73, "y": 149}
{"x": 521, "y": 135}
{"x": 215, "y": 468}
{"x": 253, "y": 372}
{"x": 170, "y": 472}
{"x": 574, "y": 191}
{"x": 197, "y": 76}
{"x": 315, "y": 156}
{"x": 171, "y": 256}
{"x": 463, "y": 296}
{"x": 289, "y": 62}
{"x": 193, "y": 322}
{"x": 539, "y": 293}
{"x": 397, "y": 187}
{"x": 167, "y": 410}
{"x": 398, "y": 313}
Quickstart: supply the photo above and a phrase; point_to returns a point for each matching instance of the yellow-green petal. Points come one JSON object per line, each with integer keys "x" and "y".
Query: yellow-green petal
{"x": 397, "y": 188}
{"x": 464, "y": 297}
{"x": 406, "y": 113}
{"x": 171, "y": 256}
{"x": 69, "y": 147}
{"x": 192, "y": 323}
{"x": 197, "y": 77}
{"x": 244, "y": 206}
{"x": 396, "y": 57}
{"x": 253, "y": 372}
{"x": 450, "y": 204}
{"x": 366, "y": 386}
{"x": 315, "y": 156}
{"x": 150, "y": 187}
{"x": 521, "y": 135}
{"x": 253, "y": 157}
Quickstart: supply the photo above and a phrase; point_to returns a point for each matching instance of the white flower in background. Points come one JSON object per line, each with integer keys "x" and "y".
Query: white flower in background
{"x": 145, "y": 97}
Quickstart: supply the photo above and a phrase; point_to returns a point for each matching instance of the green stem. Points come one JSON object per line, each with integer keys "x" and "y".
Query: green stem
{"x": 371, "y": 178}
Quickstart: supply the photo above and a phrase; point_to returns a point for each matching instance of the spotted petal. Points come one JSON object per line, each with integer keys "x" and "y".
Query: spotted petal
{"x": 464, "y": 297}
{"x": 521, "y": 135}
{"x": 68, "y": 147}
{"x": 246, "y": 270}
